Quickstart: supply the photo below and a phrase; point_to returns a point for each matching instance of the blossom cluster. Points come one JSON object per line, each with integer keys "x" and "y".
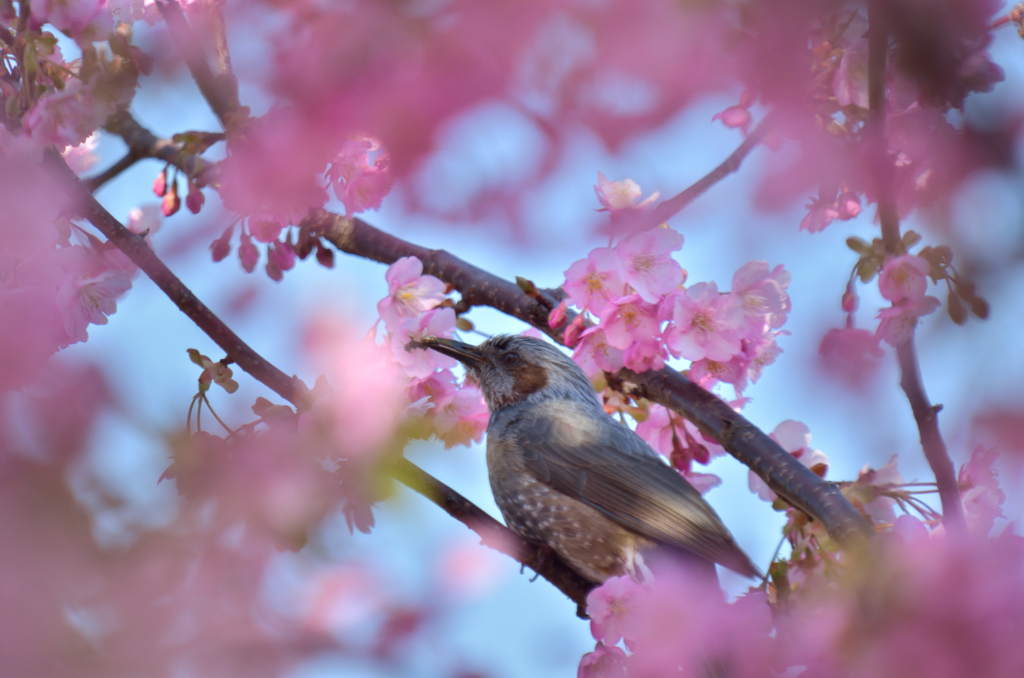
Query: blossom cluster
{"x": 417, "y": 307}
{"x": 834, "y": 613}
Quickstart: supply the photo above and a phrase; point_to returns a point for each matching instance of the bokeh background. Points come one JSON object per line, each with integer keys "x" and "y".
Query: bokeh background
{"x": 490, "y": 619}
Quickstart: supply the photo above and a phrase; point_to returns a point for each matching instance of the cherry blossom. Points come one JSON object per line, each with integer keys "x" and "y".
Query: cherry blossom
{"x": 762, "y": 291}
{"x": 145, "y": 219}
{"x": 898, "y": 322}
{"x": 647, "y": 265}
{"x": 438, "y": 322}
{"x": 603, "y": 662}
{"x": 629, "y": 319}
{"x": 735, "y": 116}
{"x": 67, "y": 117}
{"x": 608, "y": 606}
{"x": 82, "y": 158}
{"x": 981, "y": 495}
{"x": 671, "y": 435}
{"x": 84, "y": 300}
{"x": 463, "y": 419}
{"x": 887, "y": 477}
{"x": 851, "y": 79}
{"x": 617, "y": 196}
{"x": 86, "y": 19}
{"x": 410, "y": 293}
{"x": 704, "y": 323}
{"x": 595, "y": 354}
{"x": 904, "y": 277}
{"x": 592, "y": 282}
{"x": 357, "y": 183}
{"x": 851, "y": 354}
{"x": 819, "y": 215}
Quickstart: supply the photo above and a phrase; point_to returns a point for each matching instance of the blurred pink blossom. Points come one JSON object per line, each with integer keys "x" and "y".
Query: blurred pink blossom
{"x": 762, "y": 292}
{"x": 898, "y": 321}
{"x": 609, "y": 606}
{"x": 603, "y": 662}
{"x": 419, "y": 364}
{"x": 735, "y": 116}
{"x": 617, "y": 196}
{"x": 410, "y": 293}
{"x": 85, "y": 19}
{"x": 592, "y": 282}
{"x": 980, "y": 493}
{"x": 82, "y": 158}
{"x": 647, "y": 265}
{"x": 819, "y": 215}
{"x": 357, "y": 183}
{"x": 89, "y": 300}
{"x": 850, "y": 83}
{"x": 67, "y": 117}
{"x": 850, "y": 354}
{"x": 904, "y": 277}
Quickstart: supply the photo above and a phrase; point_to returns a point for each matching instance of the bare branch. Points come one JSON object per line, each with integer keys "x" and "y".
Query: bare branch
{"x": 93, "y": 183}
{"x": 883, "y": 169}
{"x": 667, "y": 209}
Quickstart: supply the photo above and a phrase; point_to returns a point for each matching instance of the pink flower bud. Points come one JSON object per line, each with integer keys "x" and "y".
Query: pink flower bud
{"x": 160, "y": 184}
{"x": 557, "y": 316}
{"x": 172, "y": 201}
{"x": 573, "y": 331}
{"x": 324, "y": 256}
{"x": 247, "y": 253}
{"x": 850, "y": 301}
{"x": 221, "y": 247}
{"x": 195, "y": 199}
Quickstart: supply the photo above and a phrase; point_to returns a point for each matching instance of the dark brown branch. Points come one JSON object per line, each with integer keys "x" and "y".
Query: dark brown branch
{"x": 220, "y": 91}
{"x": 217, "y": 28}
{"x": 780, "y": 470}
{"x": 493, "y": 533}
{"x": 144, "y": 144}
{"x": 93, "y": 183}
{"x": 667, "y": 209}
{"x": 883, "y": 170}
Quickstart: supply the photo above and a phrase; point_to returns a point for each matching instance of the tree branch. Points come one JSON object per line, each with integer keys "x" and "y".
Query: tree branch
{"x": 220, "y": 91}
{"x": 493, "y": 533}
{"x": 144, "y": 144}
{"x": 667, "y": 209}
{"x": 780, "y": 470}
{"x": 883, "y": 169}
{"x": 93, "y": 183}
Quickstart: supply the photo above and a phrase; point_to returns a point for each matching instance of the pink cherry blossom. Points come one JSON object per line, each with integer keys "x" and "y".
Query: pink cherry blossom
{"x": 819, "y": 215}
{"x": 357, "y": 183}
{"x": 82, "y": 158}
{"x": 645, "y": 355}
{"x": 609, "y": 607}
{"x": 880, "y": 507}
{"x": 594, "y": 354}
{"x": 463, "y": 419}
{"x": 904, "y": 277}
{"x": 898, "y": 322}
{"x": 558, "y": 315}
{"x": 592, "y": 282}
{"x": 603, "y": 662}
{"x": 794, "y": 437}
{"x": 704, "y": 323}
{"x": 265, "y": 227}
{"x": 980, "y": 493}
{"x": 669, "y": 434}
{"x": 82, "y": 301}
{"x": 419, "y": 364}
{"x": 734, "y": 116}
{"x": 850, "y": 83}
{"x": 851, "y": 354}
{"x": 247, "y": 253}
{"x": 647, "y": 265}
{"x": 702, "y": 482}
{"x": 86, "y": 19}
{"x": 410, "y": 293}
{"x": 629, "y": 319}
{"x": 617, "y": 196}
{"x": 762, "y": 292}
{"x": 67, "y": 117}
{"x": 709, "y": 372}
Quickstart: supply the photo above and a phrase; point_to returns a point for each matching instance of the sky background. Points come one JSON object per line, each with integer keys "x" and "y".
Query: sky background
{"x": 497, "y": 622}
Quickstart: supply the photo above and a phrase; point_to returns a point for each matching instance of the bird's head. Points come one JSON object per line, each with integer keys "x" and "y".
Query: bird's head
{"x": 511, "y": 369}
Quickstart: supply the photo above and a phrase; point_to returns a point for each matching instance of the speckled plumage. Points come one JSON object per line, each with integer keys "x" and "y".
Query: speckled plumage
{"x": 565, "y": 473}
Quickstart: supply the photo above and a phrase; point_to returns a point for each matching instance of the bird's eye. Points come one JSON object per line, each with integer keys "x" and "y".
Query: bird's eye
{"x": 510, "y": 359}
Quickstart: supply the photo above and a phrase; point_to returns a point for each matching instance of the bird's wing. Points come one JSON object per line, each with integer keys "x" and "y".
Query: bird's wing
{"x": 588, "y": 456}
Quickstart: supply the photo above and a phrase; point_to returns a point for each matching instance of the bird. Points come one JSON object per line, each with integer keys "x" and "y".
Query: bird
{"x": 566, "y": 474}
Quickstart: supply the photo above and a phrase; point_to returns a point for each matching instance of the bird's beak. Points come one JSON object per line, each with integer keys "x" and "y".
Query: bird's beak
{"x": 466, "y": 354}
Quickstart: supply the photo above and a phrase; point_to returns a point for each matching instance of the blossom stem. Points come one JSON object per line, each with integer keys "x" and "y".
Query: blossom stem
{"x": 925, "y": 414}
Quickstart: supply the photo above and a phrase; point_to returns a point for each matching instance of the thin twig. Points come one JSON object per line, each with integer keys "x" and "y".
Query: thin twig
{"x": 666, "y": 209}
{"x": 93, "y": 183}
{"x": 883, "y": 170}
